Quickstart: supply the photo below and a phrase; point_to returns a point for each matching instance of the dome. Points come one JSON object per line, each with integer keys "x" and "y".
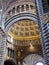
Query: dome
{"x": 24, "y": 29}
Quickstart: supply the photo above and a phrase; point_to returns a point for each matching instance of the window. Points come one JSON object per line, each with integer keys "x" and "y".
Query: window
{"x": 10, "y": 52}
{"x": 22, "y": 7}
{"x": 27, "y": 7}
{"x": 13, "y": 54}
{"x": 18, "y": 9}
{"x": 13, "y": 10}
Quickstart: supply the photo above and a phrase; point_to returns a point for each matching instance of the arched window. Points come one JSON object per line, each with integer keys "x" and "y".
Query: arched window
{"x": 22, "y": 7}
{"x": 27, "y": 7}
{"x": 13, "y": 10}
{"x": 18, "y": 9}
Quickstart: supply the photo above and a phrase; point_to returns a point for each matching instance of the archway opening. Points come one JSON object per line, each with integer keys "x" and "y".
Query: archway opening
{"x": 8, "y": 62}
{"x": 24, "y": 38}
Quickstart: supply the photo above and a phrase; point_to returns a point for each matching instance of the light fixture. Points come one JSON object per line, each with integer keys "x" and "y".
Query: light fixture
{"x": 39, "y": 63}
{"x": 11, "y": 39}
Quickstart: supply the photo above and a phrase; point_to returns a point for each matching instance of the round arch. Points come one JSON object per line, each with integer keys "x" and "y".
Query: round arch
{"x": 18, "y": 17}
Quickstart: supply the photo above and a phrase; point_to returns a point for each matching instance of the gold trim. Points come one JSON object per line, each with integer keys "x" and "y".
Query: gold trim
{"x": 23, "y": 37}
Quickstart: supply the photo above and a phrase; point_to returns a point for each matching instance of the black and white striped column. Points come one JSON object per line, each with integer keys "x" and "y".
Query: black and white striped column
{"x": 46, "y": 41}
{"x": 2, "y": 46}
{"x": 44, "y": 28}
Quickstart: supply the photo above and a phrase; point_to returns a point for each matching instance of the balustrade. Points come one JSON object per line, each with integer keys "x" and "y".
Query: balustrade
{"x": 19, "y": 9}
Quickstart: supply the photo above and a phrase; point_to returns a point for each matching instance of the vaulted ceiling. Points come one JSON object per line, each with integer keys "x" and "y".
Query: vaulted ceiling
{"x": 24, "y": 29}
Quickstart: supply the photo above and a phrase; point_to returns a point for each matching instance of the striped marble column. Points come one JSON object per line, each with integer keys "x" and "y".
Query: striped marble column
{"x": 2, "y": 46}
{"x": 44, "y": 27}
